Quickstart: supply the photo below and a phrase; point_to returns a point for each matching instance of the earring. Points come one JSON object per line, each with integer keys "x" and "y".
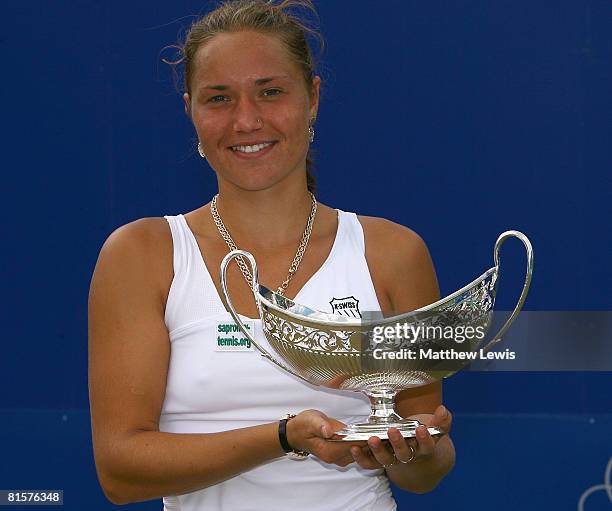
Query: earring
{"x": 311, "y": 131}
{"x": 200, "y": 150}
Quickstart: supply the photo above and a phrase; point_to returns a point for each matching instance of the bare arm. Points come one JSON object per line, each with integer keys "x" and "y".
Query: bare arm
{"x": 402, "y": 268}
{"x": 129, "y": 351}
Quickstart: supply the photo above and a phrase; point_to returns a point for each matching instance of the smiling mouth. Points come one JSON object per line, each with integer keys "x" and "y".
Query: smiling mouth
{"x": 253, "y": 148}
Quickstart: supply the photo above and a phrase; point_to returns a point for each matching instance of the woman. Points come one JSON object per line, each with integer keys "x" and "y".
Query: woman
{"x": 177, "y": 411}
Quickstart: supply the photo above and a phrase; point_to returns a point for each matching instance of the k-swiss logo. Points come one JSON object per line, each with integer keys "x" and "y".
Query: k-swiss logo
{"x": 348, "y": 306}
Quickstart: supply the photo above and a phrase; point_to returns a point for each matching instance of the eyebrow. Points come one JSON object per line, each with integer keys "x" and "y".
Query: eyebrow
{"x": 259, "y": 81}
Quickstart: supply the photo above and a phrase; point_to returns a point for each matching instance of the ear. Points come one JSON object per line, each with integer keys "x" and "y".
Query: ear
{"x": 314, "y": 97}
{"x": 187, "y": 101}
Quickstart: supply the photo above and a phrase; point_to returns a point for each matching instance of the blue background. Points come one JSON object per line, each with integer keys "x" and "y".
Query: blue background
{"x": 458, "y": 119}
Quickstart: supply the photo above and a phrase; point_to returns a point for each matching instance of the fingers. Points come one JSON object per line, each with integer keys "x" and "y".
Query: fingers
{"x": 320, "y": 425}
{"x": 344, "y": 461}
{"x": 425, "y": 443}
{"x": 316, "y": 432}
{"x": 404, "y": 451}
{"x": 383, "y": 455}
{"x": 329, "y": 428}
{"x": 364, "y": 458}
{"x": 326, "y": 430}
{"x": 377, "y": 454}
{"x": 399, "y": 449}
{"x": 335, "y": 425}
{"x": 442, "y": 419}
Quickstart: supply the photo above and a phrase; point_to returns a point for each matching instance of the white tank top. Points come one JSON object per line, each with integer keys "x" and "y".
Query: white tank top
{"x": 217, "y": 382}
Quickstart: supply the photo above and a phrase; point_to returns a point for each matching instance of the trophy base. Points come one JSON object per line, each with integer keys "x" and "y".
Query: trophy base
{"x": 364, "y": 430}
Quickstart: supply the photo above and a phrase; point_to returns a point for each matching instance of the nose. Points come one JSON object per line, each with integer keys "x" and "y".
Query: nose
{"x": 247, "y": 117}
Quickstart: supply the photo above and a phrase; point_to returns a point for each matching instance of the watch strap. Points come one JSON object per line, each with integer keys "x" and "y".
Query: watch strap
{"x": 282, "y": 432}
{"x": 292, "y": 453}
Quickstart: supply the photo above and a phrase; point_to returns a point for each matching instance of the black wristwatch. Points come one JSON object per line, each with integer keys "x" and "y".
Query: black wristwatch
{"x": 292, "y": 453}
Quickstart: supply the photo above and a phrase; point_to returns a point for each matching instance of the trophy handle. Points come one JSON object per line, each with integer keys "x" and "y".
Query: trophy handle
{"x": 519, "y": 305}
{"x": 255, "y": 288}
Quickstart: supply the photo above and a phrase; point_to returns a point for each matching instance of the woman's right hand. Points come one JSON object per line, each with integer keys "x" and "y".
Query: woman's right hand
{"x": 311, "y": 431}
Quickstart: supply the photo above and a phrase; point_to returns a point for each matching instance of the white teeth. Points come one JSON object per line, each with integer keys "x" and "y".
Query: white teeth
{"x": 251, "y": 148}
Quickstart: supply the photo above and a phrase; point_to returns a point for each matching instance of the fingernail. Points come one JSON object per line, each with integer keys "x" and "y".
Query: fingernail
{"x": 324, "y": 431}
{"x": 444, "y": 411}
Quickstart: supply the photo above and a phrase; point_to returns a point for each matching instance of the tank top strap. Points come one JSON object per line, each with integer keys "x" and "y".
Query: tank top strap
{"x": 192, "y": 293}
{"x": 180, "y": 244}
{"x": 352, "y": 230}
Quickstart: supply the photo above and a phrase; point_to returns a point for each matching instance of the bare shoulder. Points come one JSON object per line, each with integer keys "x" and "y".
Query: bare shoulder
{"x": 394, "y": 240}
{"x": 142, "y": 247}
{"x": 140, "y": 234}
{"x": 400, "y": 264}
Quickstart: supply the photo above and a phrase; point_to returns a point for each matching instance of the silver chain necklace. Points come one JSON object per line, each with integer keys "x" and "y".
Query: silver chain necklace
{"x": 240, "y": 260}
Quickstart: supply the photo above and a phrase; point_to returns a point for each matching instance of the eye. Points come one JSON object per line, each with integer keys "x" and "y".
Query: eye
{"x": 217, "y": 99}
{"x": 272, "y": 92}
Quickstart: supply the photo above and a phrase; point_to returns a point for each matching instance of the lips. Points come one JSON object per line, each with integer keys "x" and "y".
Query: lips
{"x": 251, "y": 148}
{"x": 246, "y": 150}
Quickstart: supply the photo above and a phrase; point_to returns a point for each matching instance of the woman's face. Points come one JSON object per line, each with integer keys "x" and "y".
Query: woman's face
{"x": 246, "y": 91}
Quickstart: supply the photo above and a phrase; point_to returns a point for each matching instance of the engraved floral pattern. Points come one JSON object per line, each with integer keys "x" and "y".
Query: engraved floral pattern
{"x": 472, "y": 307}
{"x": 305, "y": 337}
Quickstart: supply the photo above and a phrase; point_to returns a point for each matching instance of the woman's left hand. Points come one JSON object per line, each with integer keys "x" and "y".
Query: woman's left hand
{"x": 379, "y": 454}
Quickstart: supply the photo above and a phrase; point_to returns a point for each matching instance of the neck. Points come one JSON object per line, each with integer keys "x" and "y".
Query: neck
{"x": 264, "y": 218}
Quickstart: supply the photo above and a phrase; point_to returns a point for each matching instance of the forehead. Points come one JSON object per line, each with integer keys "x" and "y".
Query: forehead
{"x": 242, "y": 57}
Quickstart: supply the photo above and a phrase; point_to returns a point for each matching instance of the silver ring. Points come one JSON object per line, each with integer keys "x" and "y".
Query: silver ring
{"x": 412, "y": 455}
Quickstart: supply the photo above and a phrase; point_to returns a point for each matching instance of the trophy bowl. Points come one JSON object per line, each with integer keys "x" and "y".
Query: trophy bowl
{"x": 356, "y": 354}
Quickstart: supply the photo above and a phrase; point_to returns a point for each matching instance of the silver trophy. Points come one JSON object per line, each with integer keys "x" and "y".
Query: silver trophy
{"x": 339, "y": 352}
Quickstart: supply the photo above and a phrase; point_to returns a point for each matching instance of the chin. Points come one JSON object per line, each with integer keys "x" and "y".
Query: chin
{"x": 257, "y": 181}
{"x": 256, "y": 186}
